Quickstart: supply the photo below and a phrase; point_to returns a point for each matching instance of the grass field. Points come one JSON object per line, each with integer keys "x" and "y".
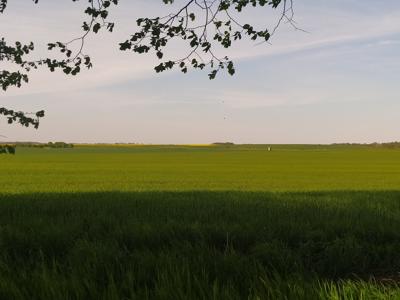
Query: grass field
{"x": 185, "y": 222}
{"x": 173, "y": 168}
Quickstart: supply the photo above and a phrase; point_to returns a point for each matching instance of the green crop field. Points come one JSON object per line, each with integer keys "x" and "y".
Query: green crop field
{"x": 179, "y": 168}
{"x": 200, "y": 222}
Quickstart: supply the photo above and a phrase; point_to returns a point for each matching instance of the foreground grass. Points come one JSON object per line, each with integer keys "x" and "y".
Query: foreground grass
{"x": 200, "y": 245}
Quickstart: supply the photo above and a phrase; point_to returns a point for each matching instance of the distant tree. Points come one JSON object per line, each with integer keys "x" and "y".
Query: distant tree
{"x": 200, "y": 23}
{"x": 10, "y": 149}
{"x": 224, "y": 144}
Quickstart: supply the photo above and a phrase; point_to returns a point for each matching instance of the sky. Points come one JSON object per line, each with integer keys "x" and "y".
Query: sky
{"x": 337, "y": 82}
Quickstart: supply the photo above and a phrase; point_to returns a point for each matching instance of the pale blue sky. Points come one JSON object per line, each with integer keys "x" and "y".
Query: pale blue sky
{"x": 337, "y": 83}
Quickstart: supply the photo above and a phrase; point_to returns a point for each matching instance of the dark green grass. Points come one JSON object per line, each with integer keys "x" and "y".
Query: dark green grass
{"x": 200, "y": 245}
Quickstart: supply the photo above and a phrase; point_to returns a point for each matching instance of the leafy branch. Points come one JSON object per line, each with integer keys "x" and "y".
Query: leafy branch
{"x": 25, "y": 119}
{"x": 217, "y": 26}
{"x": 70, "y": 65}
{"x": 72, "y": 62}
{"x": 201, "y": 24}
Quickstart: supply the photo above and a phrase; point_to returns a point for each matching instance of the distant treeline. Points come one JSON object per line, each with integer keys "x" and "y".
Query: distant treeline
{"x": 383, "y": 145}
{"x": 224, "y": 144}
{"x": 46, "y": 145}
{"x": 387, "y": 145}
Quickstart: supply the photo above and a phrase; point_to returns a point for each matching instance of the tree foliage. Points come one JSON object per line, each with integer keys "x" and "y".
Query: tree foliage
{"x": 22, "y": 118}
{"x": 201, "y": 24}
{"x": 7, "y": 149}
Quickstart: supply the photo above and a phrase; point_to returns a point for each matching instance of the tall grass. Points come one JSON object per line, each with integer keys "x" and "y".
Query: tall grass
{"x": 200, "y": 245}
